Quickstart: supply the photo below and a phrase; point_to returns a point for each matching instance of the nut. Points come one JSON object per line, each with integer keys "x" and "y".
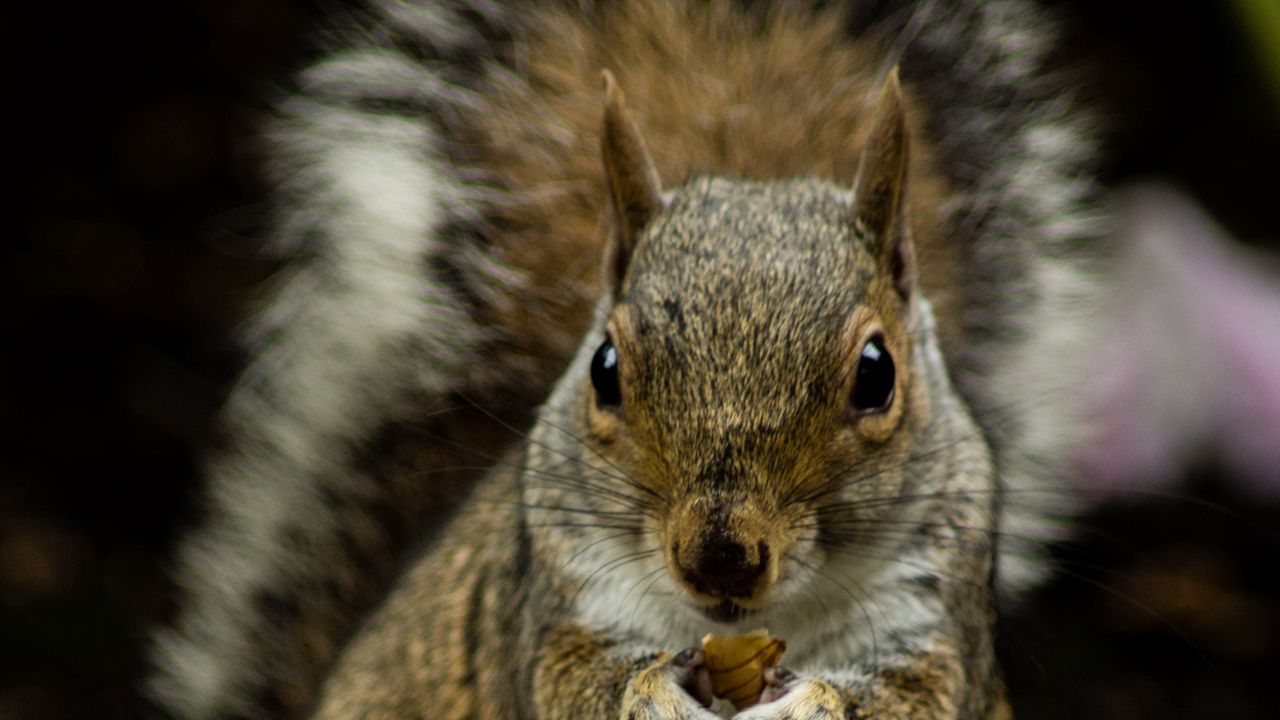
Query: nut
{"x": 737, "y": 664}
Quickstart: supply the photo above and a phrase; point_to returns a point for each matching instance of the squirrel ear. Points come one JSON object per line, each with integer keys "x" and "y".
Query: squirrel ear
{"x": 635, "y": 191}
{"x": 880, "y": 187}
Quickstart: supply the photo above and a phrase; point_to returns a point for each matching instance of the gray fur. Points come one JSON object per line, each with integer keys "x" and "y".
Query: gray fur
{"x": 361, "y": 332}
{"x": 355, "y": 334}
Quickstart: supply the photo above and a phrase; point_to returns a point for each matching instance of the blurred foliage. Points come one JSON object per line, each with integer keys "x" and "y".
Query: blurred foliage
{"x": 1261, "y": 23}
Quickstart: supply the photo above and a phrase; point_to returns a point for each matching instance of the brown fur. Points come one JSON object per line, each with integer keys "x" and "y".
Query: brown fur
{"x": 715, "y": 90}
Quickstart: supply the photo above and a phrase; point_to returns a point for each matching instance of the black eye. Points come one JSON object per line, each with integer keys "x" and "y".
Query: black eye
{"x": 604, "y": 374}
{"x": 873, "y": 388}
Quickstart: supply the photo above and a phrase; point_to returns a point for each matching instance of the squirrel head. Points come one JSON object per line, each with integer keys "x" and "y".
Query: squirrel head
{"x": 755, "y": 376}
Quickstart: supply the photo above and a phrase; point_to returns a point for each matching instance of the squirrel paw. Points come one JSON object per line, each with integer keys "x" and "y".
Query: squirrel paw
{"x": 788, "y": 697}
{"x": 672, "y": 688}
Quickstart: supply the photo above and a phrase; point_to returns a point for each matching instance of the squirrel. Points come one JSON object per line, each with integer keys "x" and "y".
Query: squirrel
{"x": 614, "y": 324}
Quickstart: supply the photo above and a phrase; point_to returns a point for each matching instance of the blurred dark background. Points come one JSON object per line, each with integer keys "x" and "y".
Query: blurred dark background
{"x": 131, "y": 255}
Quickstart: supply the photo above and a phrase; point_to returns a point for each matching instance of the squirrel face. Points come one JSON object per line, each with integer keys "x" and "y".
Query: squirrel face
{"x": 755, "y": 383}
{"x": 755, "y": 362}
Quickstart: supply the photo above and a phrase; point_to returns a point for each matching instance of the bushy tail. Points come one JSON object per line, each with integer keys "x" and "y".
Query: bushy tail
{"x": 348, "y": 434}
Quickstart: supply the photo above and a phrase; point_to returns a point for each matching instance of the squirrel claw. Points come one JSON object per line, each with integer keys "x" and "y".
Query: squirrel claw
{"x": 777, "y": 681}
{"x": 671, "y": 687}
{"x": 697, "y": 679}
{"x": 787, "y": 696}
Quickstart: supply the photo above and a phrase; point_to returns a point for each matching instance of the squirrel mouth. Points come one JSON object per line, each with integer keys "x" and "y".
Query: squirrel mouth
{"x": 727, "y": 611}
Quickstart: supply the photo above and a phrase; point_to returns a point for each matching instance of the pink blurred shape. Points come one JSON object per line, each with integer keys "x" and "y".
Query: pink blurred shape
{"x": 1190, "y": 371}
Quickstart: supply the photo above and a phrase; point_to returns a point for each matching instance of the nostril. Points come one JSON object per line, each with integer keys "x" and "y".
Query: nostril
{"x": 722, "y": 569}
{"x": 721, "y": 557}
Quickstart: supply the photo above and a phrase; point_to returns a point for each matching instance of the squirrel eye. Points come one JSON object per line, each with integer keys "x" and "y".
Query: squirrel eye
{"x": 873, "y": 387}
{"x": 604, "y": 374}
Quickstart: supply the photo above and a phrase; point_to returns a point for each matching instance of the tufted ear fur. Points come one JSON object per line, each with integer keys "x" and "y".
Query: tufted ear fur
{"x": 879, "y": 192}
{"x": 635, "y": 192}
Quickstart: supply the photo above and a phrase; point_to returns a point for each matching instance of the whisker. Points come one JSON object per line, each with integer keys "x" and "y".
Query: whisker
{"x": 584, "y": 484}
{"x": 590, "y": 545}
{"x": 610, "y": 566}
{"x": 858, "y": 552}
{"x": 875, "y": 644}
{"x": 580, "y": 511}
{"x": 656, "y": 575}
{"x": 622, "y": 478}
{"x": 840, "y": 479}
{"x": 575, "y": 480}
{"x": 1072, "y": 521}
{"x": 993, "y": 416}
{"x": 909, "y": 528}
{"x": 600, "y": 526}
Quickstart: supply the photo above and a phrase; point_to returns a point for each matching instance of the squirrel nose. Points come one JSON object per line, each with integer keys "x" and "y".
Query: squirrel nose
{"x": 723, "y": 570}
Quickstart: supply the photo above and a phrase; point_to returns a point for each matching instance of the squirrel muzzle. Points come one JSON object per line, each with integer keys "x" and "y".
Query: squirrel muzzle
{"x": 722, "y": 552}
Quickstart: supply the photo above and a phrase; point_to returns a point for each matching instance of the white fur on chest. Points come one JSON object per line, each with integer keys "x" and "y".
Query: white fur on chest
{"x": 830, "y": 622}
